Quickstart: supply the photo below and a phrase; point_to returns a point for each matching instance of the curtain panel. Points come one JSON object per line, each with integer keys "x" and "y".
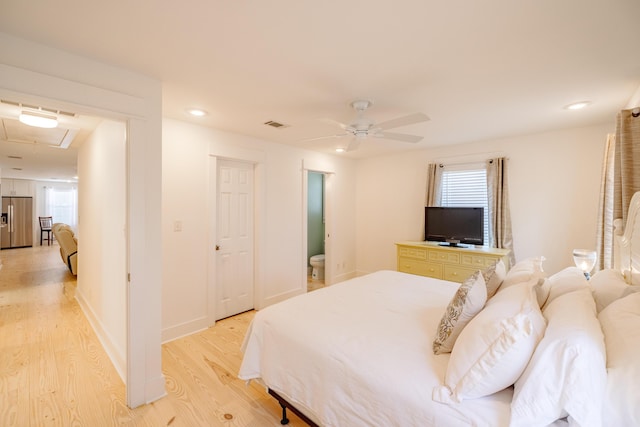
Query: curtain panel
{"x": 620, "y": 181}
{"x": 604, "y": 237}
{"x": 434, "y": 187}
{"x": 498, "y": 201}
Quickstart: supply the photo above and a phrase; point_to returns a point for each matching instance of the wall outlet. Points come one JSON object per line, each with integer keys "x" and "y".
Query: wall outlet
{"x": 177, "y": 225}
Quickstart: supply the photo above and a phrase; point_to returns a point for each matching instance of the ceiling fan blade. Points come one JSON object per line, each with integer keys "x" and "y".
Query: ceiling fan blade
{"x": 399, "y": 136}
{"x": 335, "y": 123}
{"x": 340, "y": 135}
{"x": 403, "y": 121}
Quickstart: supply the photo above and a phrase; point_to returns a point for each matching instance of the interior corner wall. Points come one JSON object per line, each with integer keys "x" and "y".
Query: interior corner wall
{"x": 102, "y": 272}
{"x": 280, "y": 250}
{"x": 554, "y": 182}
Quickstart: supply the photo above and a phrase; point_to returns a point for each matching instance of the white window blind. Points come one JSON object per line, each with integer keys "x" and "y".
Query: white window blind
{"x": 466, "y": 187}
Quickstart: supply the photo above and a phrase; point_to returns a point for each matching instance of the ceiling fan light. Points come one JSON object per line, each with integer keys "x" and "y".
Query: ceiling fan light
{"x": 38, "y": 120}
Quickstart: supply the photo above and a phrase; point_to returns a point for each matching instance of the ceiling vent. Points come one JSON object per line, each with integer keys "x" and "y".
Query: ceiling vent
{"x": 275, "y": 124}
{"x": 38, "y": 108}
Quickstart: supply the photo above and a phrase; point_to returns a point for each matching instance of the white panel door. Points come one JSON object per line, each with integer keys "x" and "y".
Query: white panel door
{"x": 234, "y": 278}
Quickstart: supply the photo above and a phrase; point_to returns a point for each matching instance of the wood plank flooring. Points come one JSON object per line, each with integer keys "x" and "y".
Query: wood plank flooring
{"x": 54, "y": 372}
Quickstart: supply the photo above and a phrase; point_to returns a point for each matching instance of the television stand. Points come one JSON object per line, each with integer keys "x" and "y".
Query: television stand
{"x": 452, "y": 263}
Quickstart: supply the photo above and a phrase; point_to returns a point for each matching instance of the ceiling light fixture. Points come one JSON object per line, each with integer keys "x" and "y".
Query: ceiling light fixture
{"x": 196, "y": 112}
{"x": 340, "y": 150}
{"x": 38, "y": 120}
{"x": 577, "y": 105}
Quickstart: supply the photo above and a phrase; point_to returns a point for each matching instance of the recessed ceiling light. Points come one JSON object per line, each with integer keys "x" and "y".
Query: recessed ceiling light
{"x": 340, "y": 150}
{"x": 196, "y": 112}
{"x": 577, "y": 105}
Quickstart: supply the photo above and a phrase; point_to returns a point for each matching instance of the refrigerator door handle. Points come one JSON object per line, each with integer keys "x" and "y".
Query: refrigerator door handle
{"x": 11, "y": 229}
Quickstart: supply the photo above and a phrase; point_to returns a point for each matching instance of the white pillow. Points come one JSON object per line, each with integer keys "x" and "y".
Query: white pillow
{"x": 523, "y": 271}
{"x": 465, "y": 304}
{"x": 567, "y": 373}
{"x": 620, "y": 322}
{"x": 607, "y": 286}
{"x": 493, "y": 350}
{"x": 493, "y": 276}
{"x": 568, "y": 280}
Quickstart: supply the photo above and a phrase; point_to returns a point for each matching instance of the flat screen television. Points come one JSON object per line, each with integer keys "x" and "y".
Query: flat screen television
{"x": 454, "y": 225}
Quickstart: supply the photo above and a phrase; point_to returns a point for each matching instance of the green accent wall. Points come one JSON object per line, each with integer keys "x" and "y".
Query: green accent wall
{"x": 315, "y": 217}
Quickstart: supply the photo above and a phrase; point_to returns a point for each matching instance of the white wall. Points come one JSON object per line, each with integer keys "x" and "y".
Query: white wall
{"x": 554, "y": 181}
{"x": 102, "y": 280}
{"x": 280, "y": 247}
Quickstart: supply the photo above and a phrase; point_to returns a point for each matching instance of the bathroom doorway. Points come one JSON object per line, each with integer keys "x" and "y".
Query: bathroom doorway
{"x": 315, "y": 230}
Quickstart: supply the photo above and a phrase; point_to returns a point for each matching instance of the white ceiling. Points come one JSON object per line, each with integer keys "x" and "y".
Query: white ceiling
{"x": 479, "y": 69}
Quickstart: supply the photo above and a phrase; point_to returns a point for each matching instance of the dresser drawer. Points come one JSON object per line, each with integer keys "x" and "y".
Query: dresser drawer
{"x": 412, "y": 266}
{"x": 478, "y": 261}
{"x": 417, "y": 253}
{"x": 454, "y": 273}
{"x": 444, "y": 256}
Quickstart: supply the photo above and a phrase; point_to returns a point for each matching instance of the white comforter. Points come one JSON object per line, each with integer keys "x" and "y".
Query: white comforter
{"x": 358, "y": 353}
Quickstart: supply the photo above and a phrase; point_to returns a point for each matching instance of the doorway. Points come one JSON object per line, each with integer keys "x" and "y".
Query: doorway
{"x": 317, "y": 226}
{"x": 315, "y": 230}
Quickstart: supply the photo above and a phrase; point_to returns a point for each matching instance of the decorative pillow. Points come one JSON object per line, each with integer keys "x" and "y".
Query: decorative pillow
{"x": 620, "y": 322}
{"x": 465, "y": 304}
{"x": 493, "y": 350}
{"x": 568, "y": 280}
{"x": 566, "y": 375}
{"x": 493, "y": 277}
{"x": 607, "y": 285}
{"x": 523, "y": 271}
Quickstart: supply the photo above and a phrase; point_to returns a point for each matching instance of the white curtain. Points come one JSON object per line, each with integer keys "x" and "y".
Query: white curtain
{"x": 61, "y": 203}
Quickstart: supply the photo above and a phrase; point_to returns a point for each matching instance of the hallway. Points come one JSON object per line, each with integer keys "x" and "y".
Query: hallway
{"x": 54, "y": 371}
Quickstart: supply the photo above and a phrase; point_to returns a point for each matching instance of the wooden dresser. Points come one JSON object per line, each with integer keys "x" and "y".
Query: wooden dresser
{"x": 443, "y": 262}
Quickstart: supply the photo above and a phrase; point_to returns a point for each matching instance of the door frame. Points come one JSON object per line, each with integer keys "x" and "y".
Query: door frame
{"x": 143, "y": 378}
{"x": 249, "y": 166}
{"x": 329, "y": 177}
{"x": 258, "y": 160}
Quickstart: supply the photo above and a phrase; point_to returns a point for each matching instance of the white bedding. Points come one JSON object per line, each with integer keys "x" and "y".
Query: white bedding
{"x": 360, "y": 353}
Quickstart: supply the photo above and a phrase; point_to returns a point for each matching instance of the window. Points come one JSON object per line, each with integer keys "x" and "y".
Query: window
{"x": 466, "y": 185}
{"x": 62, "y": 204}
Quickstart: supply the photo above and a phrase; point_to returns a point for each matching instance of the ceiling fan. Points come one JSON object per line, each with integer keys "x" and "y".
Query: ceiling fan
{"x": 362, "y": 127}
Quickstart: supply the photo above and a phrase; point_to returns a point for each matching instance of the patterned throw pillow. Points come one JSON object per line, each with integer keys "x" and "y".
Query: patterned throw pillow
{"x": 465, "y": 304}
{"x": 493, "y": 277}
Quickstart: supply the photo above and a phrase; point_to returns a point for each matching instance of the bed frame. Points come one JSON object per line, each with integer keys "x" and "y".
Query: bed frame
{"x": 284, "y": 404}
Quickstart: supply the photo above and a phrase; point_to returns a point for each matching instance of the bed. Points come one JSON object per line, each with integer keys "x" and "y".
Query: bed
{"x": 505, "y": 348}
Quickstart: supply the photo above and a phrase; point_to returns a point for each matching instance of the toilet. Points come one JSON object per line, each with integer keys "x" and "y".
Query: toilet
{"x": 317, "y": 262}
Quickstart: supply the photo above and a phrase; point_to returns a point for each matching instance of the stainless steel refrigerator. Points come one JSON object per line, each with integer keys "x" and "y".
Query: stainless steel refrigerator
{"x": 17, "y": 214}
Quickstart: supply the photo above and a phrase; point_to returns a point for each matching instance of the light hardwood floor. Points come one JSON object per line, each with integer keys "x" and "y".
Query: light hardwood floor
{"x": 54, "y": 372}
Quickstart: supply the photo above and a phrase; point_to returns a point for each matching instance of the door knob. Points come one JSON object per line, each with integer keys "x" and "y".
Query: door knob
{"x": 217, "y": 247}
